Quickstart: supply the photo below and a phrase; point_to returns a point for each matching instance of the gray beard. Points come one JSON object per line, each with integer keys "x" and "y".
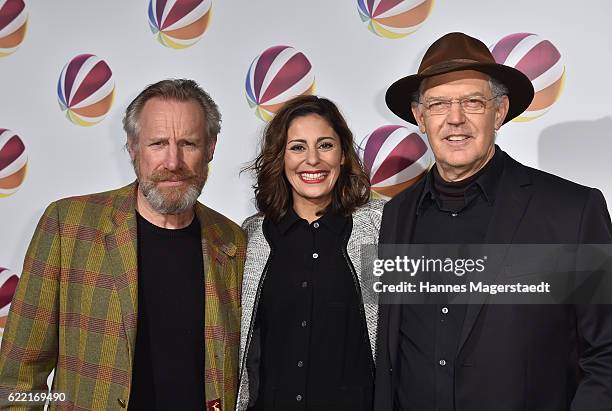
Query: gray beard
{"x": 172, "y": 202}
{"x": 166, "y": 204}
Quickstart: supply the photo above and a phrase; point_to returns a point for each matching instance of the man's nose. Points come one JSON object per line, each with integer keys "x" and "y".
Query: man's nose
{"x": 173, "y": 157}
{"x": 455, "y": 113}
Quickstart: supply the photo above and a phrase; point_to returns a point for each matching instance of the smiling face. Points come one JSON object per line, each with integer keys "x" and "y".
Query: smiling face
{"x": 462, "y": 143}
{"x": 171, "y": 156}
{"x": 313, "y": 159}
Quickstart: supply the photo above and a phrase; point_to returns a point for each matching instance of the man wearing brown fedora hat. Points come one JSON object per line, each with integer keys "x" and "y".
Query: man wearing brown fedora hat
{"x": 478, "y": 356}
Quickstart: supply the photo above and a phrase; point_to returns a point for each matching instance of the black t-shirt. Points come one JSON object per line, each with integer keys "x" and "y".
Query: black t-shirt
{"x": 168, "y": 368}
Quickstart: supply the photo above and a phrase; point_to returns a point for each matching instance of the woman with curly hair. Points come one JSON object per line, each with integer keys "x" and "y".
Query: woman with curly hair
{"x": 307, "y": 338}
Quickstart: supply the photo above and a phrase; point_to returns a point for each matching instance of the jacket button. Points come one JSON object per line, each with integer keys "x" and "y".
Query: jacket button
{"x": 121, "y": 402}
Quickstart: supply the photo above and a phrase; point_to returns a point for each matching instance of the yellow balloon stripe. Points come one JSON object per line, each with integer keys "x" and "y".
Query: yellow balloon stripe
{"x": 264, "y": 114}
{"x": 169, "y": 42}
{"x": 386, "y": 33}
{"x": 78, "y": 120}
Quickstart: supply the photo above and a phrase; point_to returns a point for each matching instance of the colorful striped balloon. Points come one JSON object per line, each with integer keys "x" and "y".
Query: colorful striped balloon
{"x": 395, "y": 157}
{"x": 13, "y": 25}
{"x": 13, "y": 162}
{"x": 275, "y": 76}
{"x": 179, "y": 23}
{"x": 394, "y": 19}
{"x": 8, "y": 284}
{"x": 86, "y": 89}
{"x": 539, "y": 60}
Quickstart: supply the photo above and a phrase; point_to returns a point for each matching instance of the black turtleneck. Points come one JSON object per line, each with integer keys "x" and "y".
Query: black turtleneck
{"x": 452, "y": 193}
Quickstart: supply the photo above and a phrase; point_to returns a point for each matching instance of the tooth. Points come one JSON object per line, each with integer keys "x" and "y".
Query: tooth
{"x": 313, "y": 176}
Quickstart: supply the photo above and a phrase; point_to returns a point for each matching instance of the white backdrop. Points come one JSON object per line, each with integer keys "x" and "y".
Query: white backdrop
{"x": 351, "y": 65}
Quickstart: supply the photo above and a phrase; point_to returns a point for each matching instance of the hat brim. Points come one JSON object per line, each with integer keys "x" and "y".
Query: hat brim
{"x": 520, "y": 89}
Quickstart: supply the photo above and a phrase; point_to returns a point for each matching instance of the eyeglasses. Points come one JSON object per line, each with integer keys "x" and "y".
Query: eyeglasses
{"x": 470, "y": 105}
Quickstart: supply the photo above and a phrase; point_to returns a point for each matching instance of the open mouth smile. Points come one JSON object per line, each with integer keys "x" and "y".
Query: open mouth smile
{"x": 457, "y": 139}
{"x": 313, "y": 177}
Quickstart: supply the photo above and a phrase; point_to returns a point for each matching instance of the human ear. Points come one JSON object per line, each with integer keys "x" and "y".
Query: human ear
{"x": 418, "y": 116}
{"x": 501, "y": 112}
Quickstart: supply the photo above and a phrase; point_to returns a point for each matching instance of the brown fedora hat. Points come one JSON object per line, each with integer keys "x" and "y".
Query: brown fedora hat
{"x": 457, "y": 52}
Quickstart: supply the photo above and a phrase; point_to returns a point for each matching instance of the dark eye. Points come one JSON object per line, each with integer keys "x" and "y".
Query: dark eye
{"x": 473, "y": 103}
{"x": 437, "y": 106}
{"x": 328, "y": 145}
{"x": 297, "y": 148}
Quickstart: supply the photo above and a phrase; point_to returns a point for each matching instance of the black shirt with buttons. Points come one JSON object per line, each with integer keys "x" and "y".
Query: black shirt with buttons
{"x": 315, "y": 353}
{"x": 448, "y": 213}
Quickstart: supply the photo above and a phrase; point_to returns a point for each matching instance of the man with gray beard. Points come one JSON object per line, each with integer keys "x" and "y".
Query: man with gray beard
{"x": 132, "y": 295}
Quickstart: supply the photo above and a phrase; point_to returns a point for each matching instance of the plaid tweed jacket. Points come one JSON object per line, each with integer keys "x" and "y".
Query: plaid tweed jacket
{"x": 75, "y": 307}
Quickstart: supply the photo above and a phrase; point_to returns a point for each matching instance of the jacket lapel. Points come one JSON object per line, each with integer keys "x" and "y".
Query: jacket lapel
{"x": 121, "y": 243}
{"x": 408, "y": 209}
{"x": 215, "y": 253}
{"x": 512, "y": 199}
{"x": 397, "y": 228}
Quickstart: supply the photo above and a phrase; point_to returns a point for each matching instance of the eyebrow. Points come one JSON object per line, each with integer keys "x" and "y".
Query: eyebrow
{"x": 301, "y": 140}
{"x": 194, "y": 139}
{"x": 476, "y": 94}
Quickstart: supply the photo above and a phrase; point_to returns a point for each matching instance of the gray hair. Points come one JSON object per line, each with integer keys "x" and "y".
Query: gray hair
{"x": 498, "y": 89}
{"x": 178, "y": 90}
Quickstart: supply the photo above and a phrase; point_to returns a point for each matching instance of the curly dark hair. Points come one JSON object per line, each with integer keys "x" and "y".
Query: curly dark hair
{"x": 272, "y": 189}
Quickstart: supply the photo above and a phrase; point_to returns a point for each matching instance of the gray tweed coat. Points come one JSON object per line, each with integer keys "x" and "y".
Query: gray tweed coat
{"x": 366, "y": 224}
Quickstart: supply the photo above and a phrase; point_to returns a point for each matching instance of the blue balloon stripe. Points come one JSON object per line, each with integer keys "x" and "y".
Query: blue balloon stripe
{"x": 152, "y": 20}
{"x": 363, "y": 8}
{"x": 60, "y": 92}
{"x": 249, "y": 90}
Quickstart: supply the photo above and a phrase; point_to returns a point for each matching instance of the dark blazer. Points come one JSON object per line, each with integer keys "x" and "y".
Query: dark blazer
{"x": 518, "y": 357}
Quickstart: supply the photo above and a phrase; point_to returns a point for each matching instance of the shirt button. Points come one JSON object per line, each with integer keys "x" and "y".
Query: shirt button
{"x": 300, "y": 364}
{"x": 444, "y": 310}
{"x": 316, "y": 225}
{"x": 304, "y": 323}
{"x": 298, "y": 398}
{"x": 442, "y": 362}
{"x": 304, "y": 284}
{"x": 454, "y": 214}
{"x": 315, "y": 255}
